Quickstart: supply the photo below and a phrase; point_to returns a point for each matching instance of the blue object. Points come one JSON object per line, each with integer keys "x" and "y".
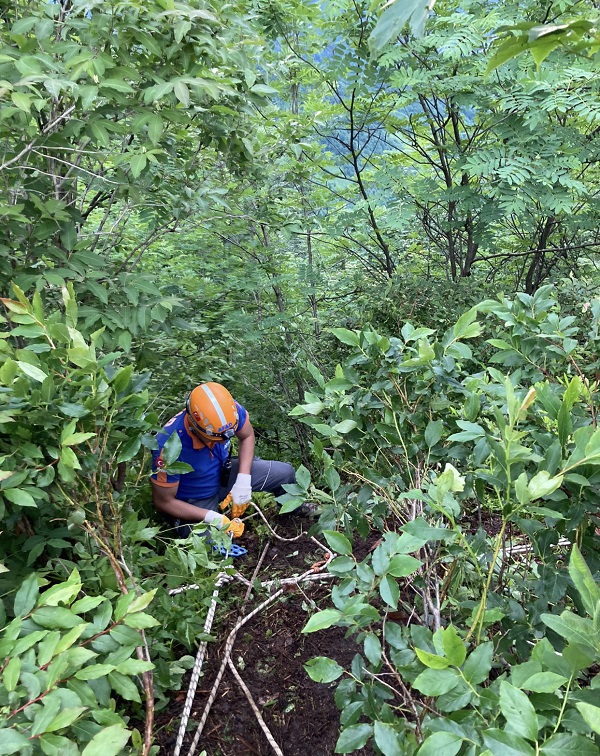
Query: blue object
{"x": 234, "y": 550}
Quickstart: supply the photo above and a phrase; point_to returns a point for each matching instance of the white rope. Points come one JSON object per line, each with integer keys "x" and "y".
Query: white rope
{"x": 309, "y": 575}
{"x": 187, "y": 707}
{"x": 254, "y": 707}
{"x": 227, "y": 654}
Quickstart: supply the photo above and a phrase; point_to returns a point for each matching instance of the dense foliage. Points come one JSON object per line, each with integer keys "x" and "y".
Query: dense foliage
{"x": 320, "y": 207}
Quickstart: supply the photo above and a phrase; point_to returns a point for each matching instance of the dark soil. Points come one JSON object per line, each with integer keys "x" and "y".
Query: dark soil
{"x": 269, "y": 653}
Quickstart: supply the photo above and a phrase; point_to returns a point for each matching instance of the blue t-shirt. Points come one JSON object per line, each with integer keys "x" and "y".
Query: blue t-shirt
{"x": 203, "y": 481}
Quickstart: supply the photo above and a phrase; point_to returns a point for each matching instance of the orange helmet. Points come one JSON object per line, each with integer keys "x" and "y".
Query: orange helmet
{"x": 212, "y": 412}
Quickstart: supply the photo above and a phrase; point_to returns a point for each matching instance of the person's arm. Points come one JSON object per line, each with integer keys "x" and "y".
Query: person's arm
{"x": 241, "y": 491}
{"x": 165, "y": 500}
{"x": 245, "y": 438}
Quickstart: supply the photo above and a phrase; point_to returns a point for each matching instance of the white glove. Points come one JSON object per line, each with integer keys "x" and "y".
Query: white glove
{"x": 242, "y": 489}
{"x": 217, "y": 519}
{"x": 235, "y": 528}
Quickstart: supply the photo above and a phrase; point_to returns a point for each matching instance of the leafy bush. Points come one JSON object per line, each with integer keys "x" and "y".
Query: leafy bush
{"x": 465, "y": 461}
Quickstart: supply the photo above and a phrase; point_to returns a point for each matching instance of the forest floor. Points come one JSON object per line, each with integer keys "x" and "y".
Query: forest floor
{"x": 269, "y": 653}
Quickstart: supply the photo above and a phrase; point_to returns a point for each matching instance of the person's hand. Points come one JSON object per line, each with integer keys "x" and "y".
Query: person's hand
{"x": 241, "y": 492}
{"x": 234, "y": 528}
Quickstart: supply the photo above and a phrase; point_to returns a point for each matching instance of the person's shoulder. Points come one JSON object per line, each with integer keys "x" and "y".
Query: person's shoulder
{"x": 176, "y": 423}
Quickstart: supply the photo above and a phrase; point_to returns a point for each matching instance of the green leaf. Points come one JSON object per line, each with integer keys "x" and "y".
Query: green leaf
{"x": 503, "y": 743}
{"x": 345, "y": 336}
{"x": 389, "y": 591}
{"x": 172, "y": 449}
{"x": 182, "y": 93}
{"x": 564, "y": 743}
{"x": 338, "y": 542}
{"x": 94, "y": 671}
{"x": 10, "y": 676}
{"x": 122, "y": 685}
{"x": 518, "y": 711}
{"x": 542, "y": 484}
{"x": 394, "y": 18}
{"x": 372, "y": 648}
{"x": 345, "y": 426}
{"x": 433, "y": 432}
{"x": 543, "y": 682}
{"x": 575, "y": 629}
{"x": 19, "y": 497}
{"x": 65, "y": 718}
{"x": 110, "y": 741}
{"x": 433, "y": 661}
{"x": 303, "y": 477}
{"x": 591, "y": 714}
{"x": 352, "y": 738}
{"x": 12, "y": 741}
{"x": 403, "y": 565}
{"x": 478, "y": 664}
{"x": 77, "y": 438}
{"x": 26, "y": 596}
{"x": 140, "y": 621}
{"x": 584, "y": 582}
{"x": 322, "y": 620}
{"x": 436, "y": 682}
{"x": 441, "y": 744}
{"x": 137, "y": 163}
{"x": 141, "y": 602}
{"x": 322, "y": 669}
{"x": 387, "y": 739}
{"x": 32, "y": 371}
{"x": 454, "y": 646}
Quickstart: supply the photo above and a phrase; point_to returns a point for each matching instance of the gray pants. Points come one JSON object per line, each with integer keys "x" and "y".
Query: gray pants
{"x": 267, "y": 475}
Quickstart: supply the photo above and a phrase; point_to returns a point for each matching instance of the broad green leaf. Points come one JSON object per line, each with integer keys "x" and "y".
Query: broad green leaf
{"x": 433, "y": 661}
{"x": 433, "y": 432}
{"x": 478, "y": 664}
{"x": 65, "y": 718}
{"x": 137, "y": 163}
{"x": 543, "y": 682}
{"x": 345, "y": 426}
{"x": 503, "y": 743}
{"x": 591, "y": 714}
{"x": 94, "y": 671}
{"x": 345, "y": 336}
{"x": 565, "y": 743}
{"x": 352, "y": 738}
{"x": 518, "y": 711}
{"x": 440, "y": 744}
{"x": 403, "y": 565}
{"x": 322, "y": 669}
{"x": 393, "y": 20}
{"x": 573, "y": 628}
{"x": 125, "y": 687}
{"x": 12, "y": 741}
{"x": 338, "y": 542}
{"x": 77, "y": 438}
{"x": 19, "y": 497}
{"x": 110, "y": 741}
{"x": 387, "y": 739}
{"x": 171, "y": 449}
{"x": 542, "y": 484}
{"x": 372, "y": 648}
{"x": 436, "y": 682}
{"x": 389, "y": 591}
{"x": 32, "y": 371}
{"x": 141, "y": 602}
{"x": 10, "y": 676}
{"x": 454, "y": 646}
{"x": 584, "y": 582}
{"x": 322, "y": 620}
{"x": 26, "y": 596}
